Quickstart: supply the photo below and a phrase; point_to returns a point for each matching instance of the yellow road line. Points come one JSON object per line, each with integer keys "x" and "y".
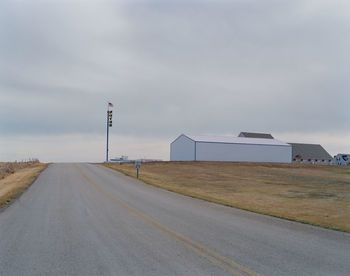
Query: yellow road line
{"x": 194, "y": 246}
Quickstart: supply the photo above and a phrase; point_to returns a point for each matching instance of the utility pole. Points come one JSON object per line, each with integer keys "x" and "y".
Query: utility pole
{"x": 109, "y": 124}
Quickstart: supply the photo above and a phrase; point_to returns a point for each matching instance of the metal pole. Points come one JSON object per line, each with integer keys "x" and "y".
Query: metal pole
{"x": 107, "y": 133}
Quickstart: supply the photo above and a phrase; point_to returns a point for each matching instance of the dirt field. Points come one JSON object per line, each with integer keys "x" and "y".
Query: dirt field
{"x": 16, "y": 177}
{"x": 318, "y": 195}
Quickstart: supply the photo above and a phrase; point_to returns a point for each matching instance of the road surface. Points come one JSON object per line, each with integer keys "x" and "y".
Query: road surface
{"x": 85, "y": 219}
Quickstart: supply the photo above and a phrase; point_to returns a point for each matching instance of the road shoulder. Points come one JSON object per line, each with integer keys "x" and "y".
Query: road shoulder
{"x": 312, "y": 195}
{"x": 12, "y": 186}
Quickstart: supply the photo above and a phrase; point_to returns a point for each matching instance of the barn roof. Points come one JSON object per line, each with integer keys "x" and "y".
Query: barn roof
{"x": 235, "y": 140}
{"x": 309, "y": 151}
{"x": 255, "y": 135}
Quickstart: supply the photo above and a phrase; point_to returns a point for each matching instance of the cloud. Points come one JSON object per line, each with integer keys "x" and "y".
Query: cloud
{"x": 173, "y": 67}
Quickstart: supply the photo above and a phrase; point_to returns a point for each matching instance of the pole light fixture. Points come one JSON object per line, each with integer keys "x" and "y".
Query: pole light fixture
{"x": 109, "y": 124}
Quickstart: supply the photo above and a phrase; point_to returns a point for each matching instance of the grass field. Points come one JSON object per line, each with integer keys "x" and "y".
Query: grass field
{"x": 318, "y": 195}
{"x": 15, "y": 177}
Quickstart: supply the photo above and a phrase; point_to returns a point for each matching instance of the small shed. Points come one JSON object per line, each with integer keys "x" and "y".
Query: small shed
{"x": 233, "y": 149}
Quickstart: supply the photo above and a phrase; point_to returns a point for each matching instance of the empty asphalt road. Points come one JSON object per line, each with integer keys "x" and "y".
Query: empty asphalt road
{"x": 85, "y": 219}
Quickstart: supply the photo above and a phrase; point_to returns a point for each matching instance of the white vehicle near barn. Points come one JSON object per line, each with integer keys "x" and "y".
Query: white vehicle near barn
{"x": 342, "y": 159}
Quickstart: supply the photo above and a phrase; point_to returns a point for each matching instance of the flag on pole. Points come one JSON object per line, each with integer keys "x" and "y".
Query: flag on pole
{"x": 110, "y": 105}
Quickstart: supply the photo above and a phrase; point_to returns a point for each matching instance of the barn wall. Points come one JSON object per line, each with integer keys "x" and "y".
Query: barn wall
{"x": 182, "y": 149}
{"x": 243, "y": 152}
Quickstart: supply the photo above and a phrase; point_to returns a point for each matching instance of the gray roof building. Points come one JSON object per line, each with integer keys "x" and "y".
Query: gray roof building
{"x": 255, "y": 135}
{"x": 229, "y": 149}
{"x": 309, "y": 152}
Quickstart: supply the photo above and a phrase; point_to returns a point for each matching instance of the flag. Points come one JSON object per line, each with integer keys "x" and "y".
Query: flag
{"x": 110, "y": 105}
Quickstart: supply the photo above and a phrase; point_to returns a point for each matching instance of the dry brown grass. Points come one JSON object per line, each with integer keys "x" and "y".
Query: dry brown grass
{"x": 16, "y": 177}
{"x": 7, "y": 168}
{"x": 318, "y": 195}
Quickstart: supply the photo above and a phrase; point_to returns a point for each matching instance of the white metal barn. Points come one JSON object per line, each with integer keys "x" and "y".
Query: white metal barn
{"x": 234, "y": 149}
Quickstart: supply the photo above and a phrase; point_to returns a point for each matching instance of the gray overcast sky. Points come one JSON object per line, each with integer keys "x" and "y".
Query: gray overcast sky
{"x": 170, "y": 67}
